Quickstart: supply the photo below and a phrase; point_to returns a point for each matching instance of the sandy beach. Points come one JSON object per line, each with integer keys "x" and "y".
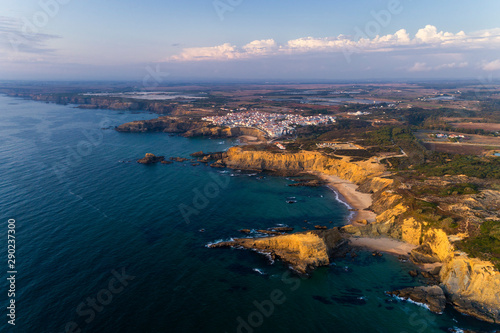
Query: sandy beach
{"x": 383, "y": 244}
{"x": 357, "y": 200}
{"x": 360, "y": 201}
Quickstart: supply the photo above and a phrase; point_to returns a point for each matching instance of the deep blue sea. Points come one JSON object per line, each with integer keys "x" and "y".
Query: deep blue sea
{"x": 104, "y": 244}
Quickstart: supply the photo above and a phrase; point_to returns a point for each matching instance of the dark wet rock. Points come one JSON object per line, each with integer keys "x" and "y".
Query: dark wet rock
{"x": 218, "y": 164}
{"x": 282, "y": 229}
{"x": 309, "y": 183}
{"x": 426, "y": 275}
{"x": 269, "y": 232}
{"x": 413, "y": 273}
{"x": 432, "y": 296}
{"x": 320, "y": 227}
{"x": 423, "y": 255}
{"x": 179, "y": 159}
{"x": 166, "y": 162}
{"x": 198, "y": 154}
{"x": 151, "y": 159}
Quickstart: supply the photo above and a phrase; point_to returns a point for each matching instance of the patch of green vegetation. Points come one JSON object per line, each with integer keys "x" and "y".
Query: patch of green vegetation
{"x": 353, "y": 152}
{"x": 439, "y": 191}
{"x": 428, "y": 163}
{"x": 429, "y": 213}
{"x": 440, "y": 164}
{"x": 459, "y": 189}
{"x": 486, "y": 245}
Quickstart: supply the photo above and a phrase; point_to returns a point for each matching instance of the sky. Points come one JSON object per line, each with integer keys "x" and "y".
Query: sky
{"x": 157, "y": 41}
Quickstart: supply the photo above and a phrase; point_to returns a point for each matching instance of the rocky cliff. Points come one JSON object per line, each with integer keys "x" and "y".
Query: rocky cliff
{"x": 357, "y": 172}
{"x": 163, "y": 124}
{"x": 471, "y": 285}
{"x": 188, "y": 127}
{"x": 99, "y": 102}
{"x": 303, "y": 251}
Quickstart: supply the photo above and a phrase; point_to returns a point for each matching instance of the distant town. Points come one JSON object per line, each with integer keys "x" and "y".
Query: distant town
{"x": 273, "y": 124}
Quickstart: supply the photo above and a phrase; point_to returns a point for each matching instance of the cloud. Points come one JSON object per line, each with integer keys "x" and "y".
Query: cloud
{"x": 221, "y": 52}
{"x": 492, "y": 66}
{"x": 15, "y": 38}
{"x": 423, "y": 67}
{"x": 261, "y": 47}
{"x": 426, "y": 38}
{"x": 420, "y": 67}
{"x": 452, "y": 65}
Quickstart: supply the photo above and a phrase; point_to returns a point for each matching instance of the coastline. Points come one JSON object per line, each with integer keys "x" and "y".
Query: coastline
{"x": 357, "y": 201}
{"x": 384, "y": 244}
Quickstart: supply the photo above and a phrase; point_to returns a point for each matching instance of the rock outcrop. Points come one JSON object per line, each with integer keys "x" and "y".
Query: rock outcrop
{"x": 470, "y": 285}
{"x": 357, "y": 172}
{"x": 151, "y": 159}
{"x": 189, "y": 127}
{"x": 473, "y": 287}
{"x": 303, "y": 251}
{"x": 102, "y": 102}
{"x": 433, "y": 297}
{"x": 163, "y": 124}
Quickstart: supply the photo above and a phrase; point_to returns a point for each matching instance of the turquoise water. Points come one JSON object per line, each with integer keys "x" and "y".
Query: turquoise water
{"x": 82, "y": 212}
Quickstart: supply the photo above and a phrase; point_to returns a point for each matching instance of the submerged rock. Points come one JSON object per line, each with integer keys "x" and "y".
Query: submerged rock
{"x": 433, "y": 297}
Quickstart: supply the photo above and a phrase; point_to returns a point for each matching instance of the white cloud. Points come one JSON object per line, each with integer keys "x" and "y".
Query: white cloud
{"x": 221, "y": 52}
{"x": 261, "y": 47}
{"x": 452, "y": 65}
{"x": 425, "y": 38}
{"x": 423, "y": 67}
{"x": 492, "y": 66}
{"x": 420, "y": 67}
{"x": 14, "y": 40}
{"x": 430, "y": 35}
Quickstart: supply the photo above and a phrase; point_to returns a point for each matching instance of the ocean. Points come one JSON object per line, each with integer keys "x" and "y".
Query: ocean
{"x": 104, "y": 244}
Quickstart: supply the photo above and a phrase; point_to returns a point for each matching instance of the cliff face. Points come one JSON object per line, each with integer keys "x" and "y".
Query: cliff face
{"x": 225, "y": 132}
{"x": 162, "y": 124}
{"x": 357, "y": 172}
{"x": 473, "y": 286}
{"x": 93, "y": 102}
{"x": 188, "y": 128}
{"x": 304, "y": 251}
